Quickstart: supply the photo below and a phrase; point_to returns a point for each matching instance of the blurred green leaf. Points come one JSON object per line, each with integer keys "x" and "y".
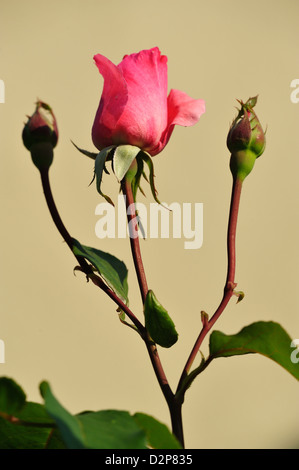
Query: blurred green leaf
{"x": 24, "y": 425}
{"x": 266, "y": 338}
{"x": 35, "y": 413}
{"x": 12, "y": 397}
{"x": 158, "y": 323}
{"x": 68, "y": 424}
{"x": 51, "y": 426}
{"x": 108, "y": 429}
{"x": 112, "y": 429}
{"x": 110, "y": 268}
{"x": 15, "y": 436}
{"x": 158, "y": 434}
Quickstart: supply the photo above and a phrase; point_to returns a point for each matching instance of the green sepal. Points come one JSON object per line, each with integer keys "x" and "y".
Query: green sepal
{"x": 158, "y": 323}
{"x": 91, "y": 155}
{"x": 136, "y": 179}
{"x": 123, "y": 157}
{"x": 99, "y": 167}
{"x": 147, "y": 158}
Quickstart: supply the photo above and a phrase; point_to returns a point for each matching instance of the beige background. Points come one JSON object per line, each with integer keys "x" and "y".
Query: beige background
{"x": 57, "y": 327}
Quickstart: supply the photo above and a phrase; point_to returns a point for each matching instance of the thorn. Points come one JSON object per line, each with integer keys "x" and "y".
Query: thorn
{"x": 204, "y": 318}
{"x": 231, "y": 286}
{"x": 203, "y": 359}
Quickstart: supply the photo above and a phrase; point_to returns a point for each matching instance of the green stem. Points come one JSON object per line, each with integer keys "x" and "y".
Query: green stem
{"x": 229, "y": 284}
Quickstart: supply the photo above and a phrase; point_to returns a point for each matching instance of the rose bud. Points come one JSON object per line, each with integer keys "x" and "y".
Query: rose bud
{"x": 246, "y": 140}
{"x": 134, "y": 108}
{"x": 40, "y": 135}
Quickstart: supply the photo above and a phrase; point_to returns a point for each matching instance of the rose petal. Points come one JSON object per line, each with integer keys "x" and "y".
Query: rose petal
{"x": 145, "y": 115}
{"x": 183, "y": 110}
{"x": 112, "y": 104}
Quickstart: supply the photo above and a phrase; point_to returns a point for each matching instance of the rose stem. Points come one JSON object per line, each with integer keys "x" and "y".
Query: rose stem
{"x": 134, "y": 239}
{"x": 230, "y": 282}
{"x": 151, "y": 347}
{"x": 174, "y": 409}
{"x": 86, "y": 268}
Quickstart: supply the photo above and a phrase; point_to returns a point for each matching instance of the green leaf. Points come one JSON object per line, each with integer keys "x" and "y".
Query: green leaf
{"x": 69, "y": 425}
{"x": 12, "y": 397}
{"x": 158, "y": 323}
{"x": 38, "y": 423}
{"x": 158, "y": 434}
{"x": 266, "y": 338}
{"x": 108, "y": 429}
{"x": 16, "y": 436}
{"x": 123, "y": 157}
{"x": 24, "y": 425}
{"x": 112, "y": 429}
{"x": 51, "y": 426}
{"x": 35, "y": 413}
{"x": 110, "y": 268}
{"x": 99, "y": 167}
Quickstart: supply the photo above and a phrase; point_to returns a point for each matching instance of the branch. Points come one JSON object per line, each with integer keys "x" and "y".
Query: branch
{"x": 228, "y": 288}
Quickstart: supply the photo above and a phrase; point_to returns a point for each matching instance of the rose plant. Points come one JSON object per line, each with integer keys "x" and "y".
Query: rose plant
{"x": 134, "y": 121}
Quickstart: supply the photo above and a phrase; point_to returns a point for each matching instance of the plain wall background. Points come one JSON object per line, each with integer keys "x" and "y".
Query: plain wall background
{"x": 55, "y": 326}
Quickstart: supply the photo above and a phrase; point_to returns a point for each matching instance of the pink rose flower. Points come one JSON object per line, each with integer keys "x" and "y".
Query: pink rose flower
{"x": 134, "y": 108}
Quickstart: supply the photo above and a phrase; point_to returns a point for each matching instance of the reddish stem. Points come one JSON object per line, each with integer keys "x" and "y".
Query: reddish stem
{"x": 86, "y": 268}
{"x": 174, "y": 406}
{"x": 134, "y": 239}
{"x": 230, "y": 278}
